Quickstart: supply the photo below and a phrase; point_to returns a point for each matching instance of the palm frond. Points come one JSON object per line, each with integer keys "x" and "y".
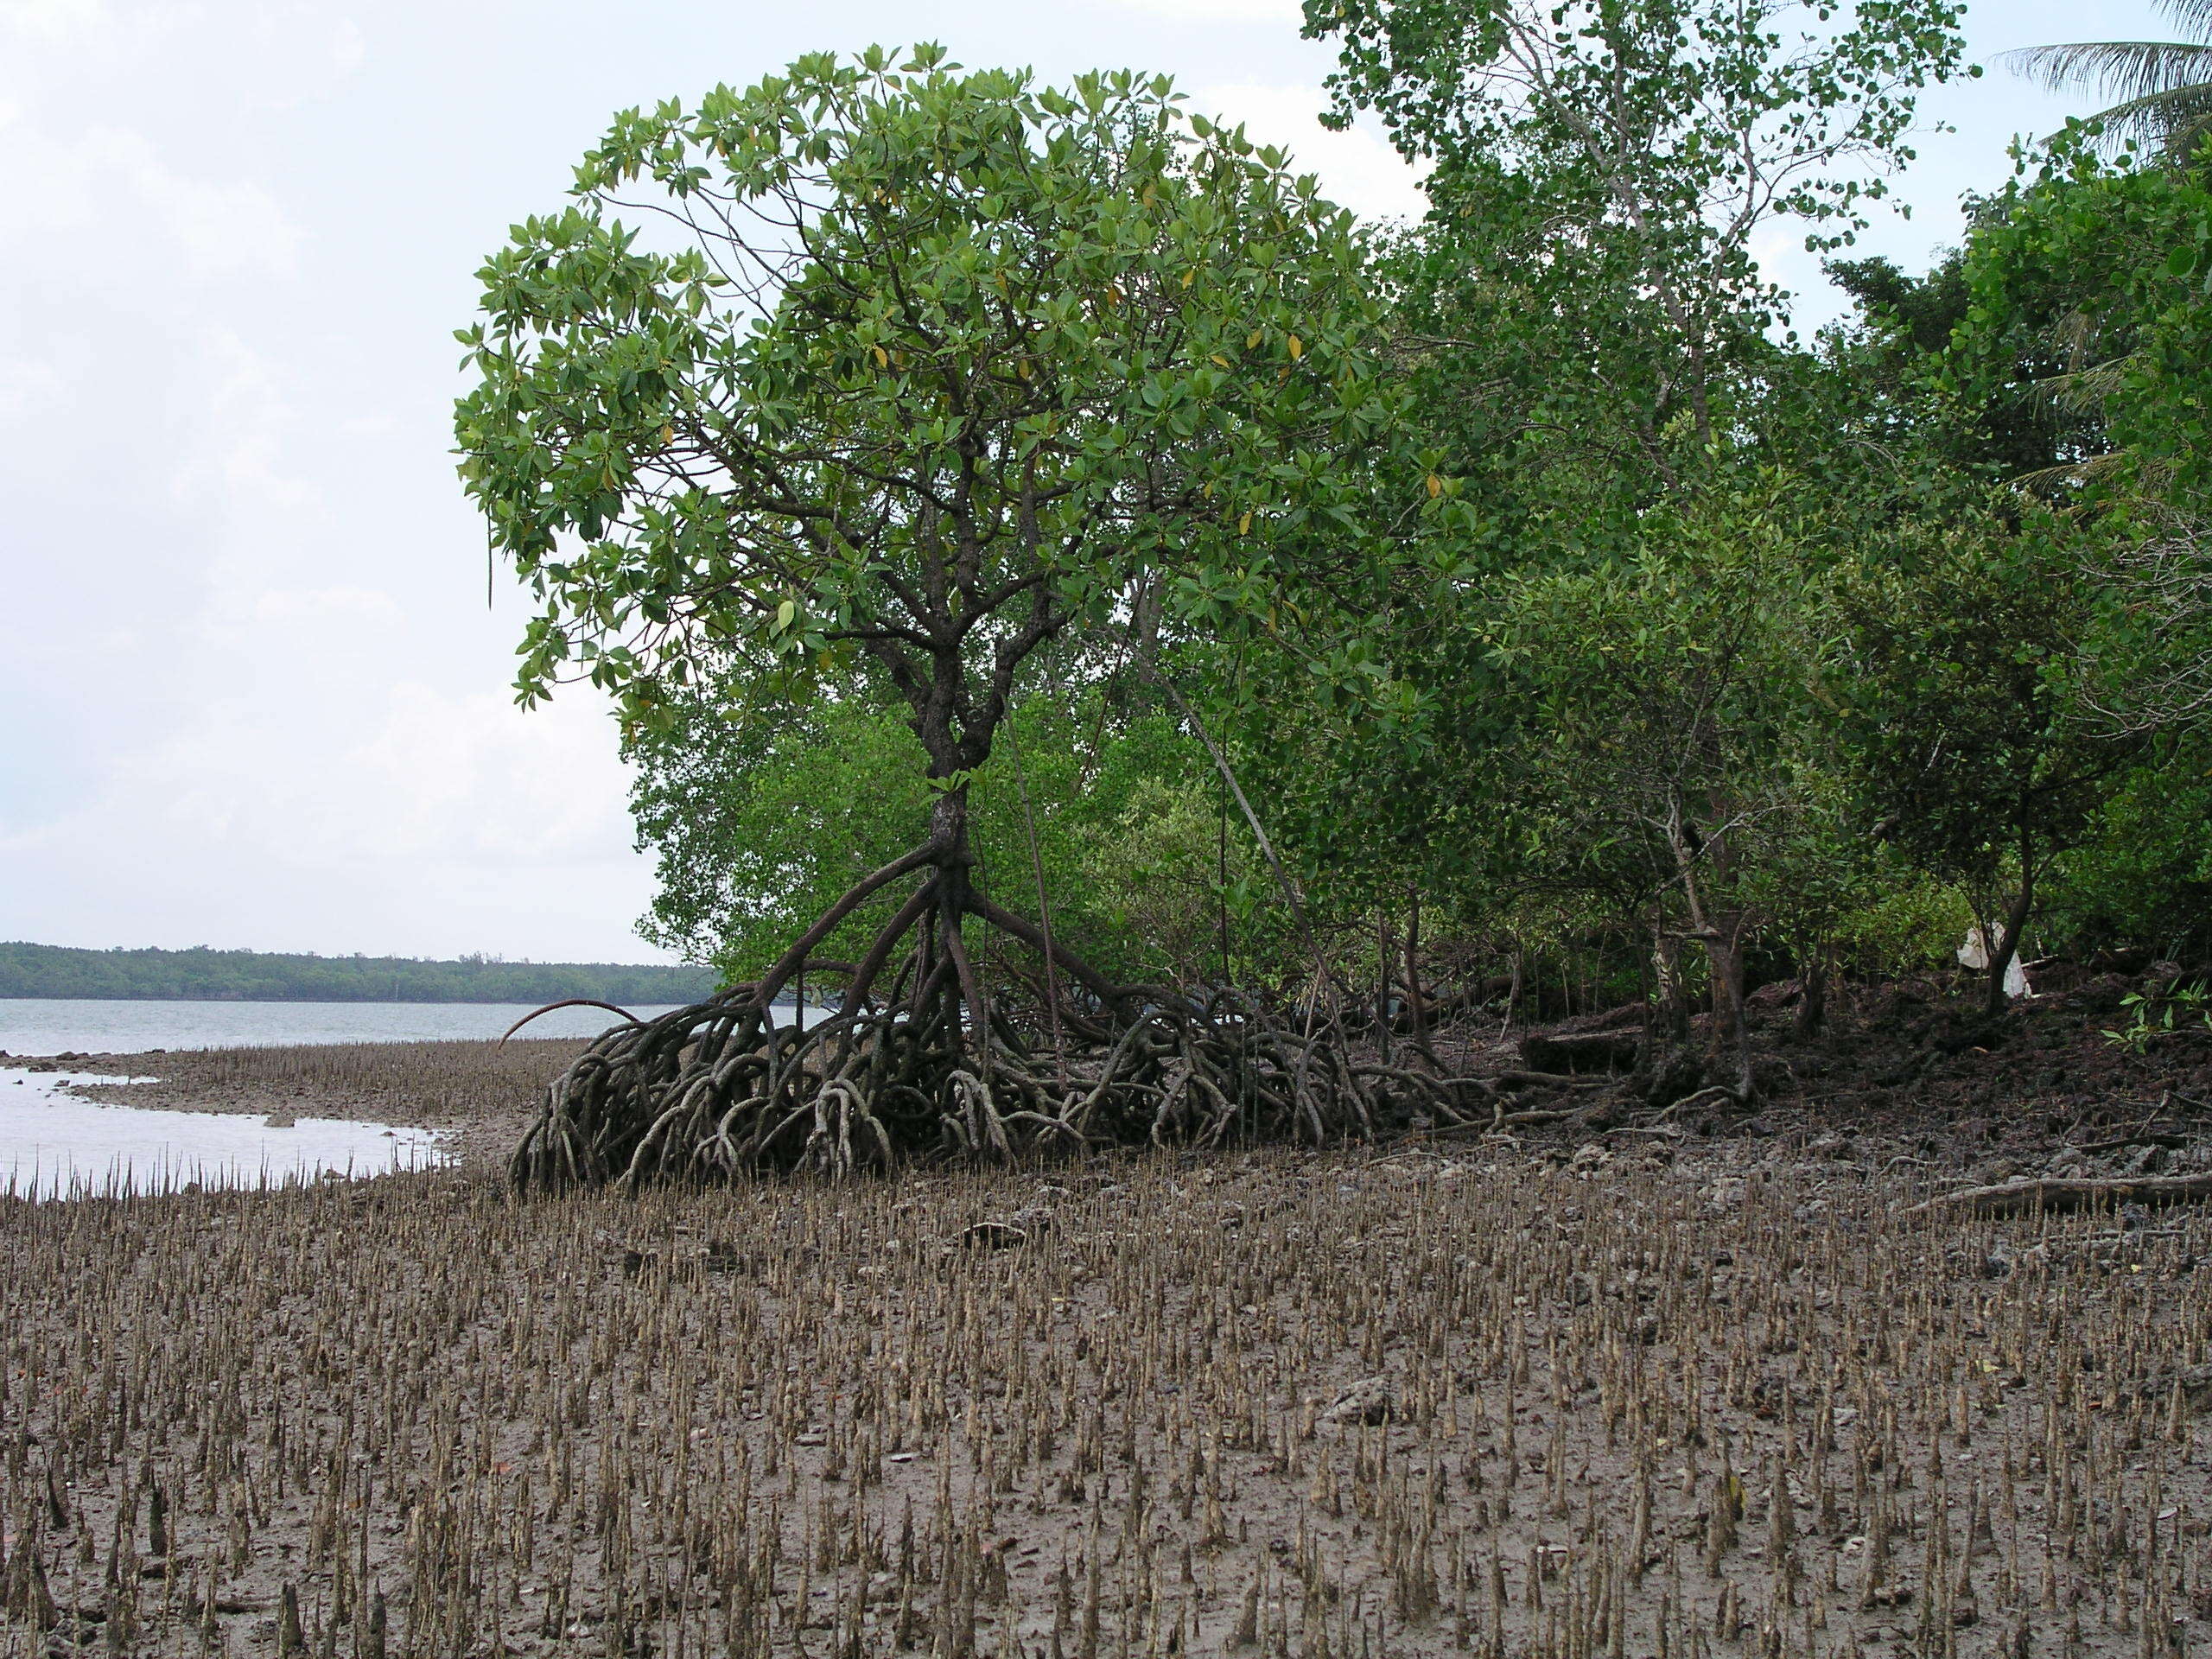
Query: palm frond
{"x": 2074, "y": 336}
{"x": 2049, "y": 482}
{"x": 2129, "y": 70}
{"x": 2086, "y": 390}
{"x": 2185, "y": 143}
{"x": 2175, "y": 121}
{"x": 2191, "y": 17}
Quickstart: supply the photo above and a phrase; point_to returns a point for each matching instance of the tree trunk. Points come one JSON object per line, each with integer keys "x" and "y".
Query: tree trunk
{"x": 1384, "y": 952}
{"x": 1813, "y": 1001}
{"x": 1730, "y": 1036}
{"x": 948, "y": 843}
{"x": 1674, "y": 995}
{"x": 2007, "y": 948}
{"x": 1416, "y": 1005}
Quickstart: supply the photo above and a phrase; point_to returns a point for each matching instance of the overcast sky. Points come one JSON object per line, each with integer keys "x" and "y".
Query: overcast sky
{"x": 251, "y": 694}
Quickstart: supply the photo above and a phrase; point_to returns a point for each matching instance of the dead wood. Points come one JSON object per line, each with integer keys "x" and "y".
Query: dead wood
{"x": 1544, "y": 1080}
{"x": 2056, "y": 1193}
{"x": 1581, "y": 1051}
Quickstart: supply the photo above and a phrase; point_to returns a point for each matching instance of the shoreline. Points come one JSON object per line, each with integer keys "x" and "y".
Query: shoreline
{"x": 478, "y": 1100}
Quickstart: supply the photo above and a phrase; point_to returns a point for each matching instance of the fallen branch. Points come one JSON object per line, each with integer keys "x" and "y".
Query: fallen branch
{"x": 1546, "y": 1080}
{"x": 1713, "y": 1095}
{"x": 2058, "y": 1193}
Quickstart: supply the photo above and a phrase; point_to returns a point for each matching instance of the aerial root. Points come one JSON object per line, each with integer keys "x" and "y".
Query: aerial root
{"x": 713, "y": 1090}
{"x": 935, "y": 1066}
{"x": 718, "y": 1088}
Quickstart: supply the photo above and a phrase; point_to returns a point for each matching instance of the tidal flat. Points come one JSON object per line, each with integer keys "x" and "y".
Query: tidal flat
{"x": 1647, "y": 1396}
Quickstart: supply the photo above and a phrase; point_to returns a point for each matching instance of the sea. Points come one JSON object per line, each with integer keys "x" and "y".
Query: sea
{"x": 56, "y": 1144}
{"x": 46, "y": 1025}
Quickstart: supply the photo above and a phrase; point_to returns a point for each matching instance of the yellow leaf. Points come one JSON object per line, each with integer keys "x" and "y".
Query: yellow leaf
{"x": 1113, "y": 293}
{"x": 1187, "y": 276}
{"x": 1296, "y": 348}
{"x": 1435, "y": 486}
{"x": 1252, "y": 342}
{"x": 668, "y": 434}
{"x": 1244, "y": 523}
{"x": 1219, "y": 359}
{"x": 882, "y": 357}
{"x": 1021, "y": 368}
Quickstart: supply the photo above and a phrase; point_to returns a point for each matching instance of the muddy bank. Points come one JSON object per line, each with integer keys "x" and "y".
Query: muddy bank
{"x": 1727, "y": 1397}
{"x": 1711, "y": 1384}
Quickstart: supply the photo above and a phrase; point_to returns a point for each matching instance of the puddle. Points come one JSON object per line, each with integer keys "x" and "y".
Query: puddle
{"x": 53, "y": 1144}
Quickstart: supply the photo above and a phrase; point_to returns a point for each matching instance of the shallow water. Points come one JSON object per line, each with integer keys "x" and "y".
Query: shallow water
{"x": 91, "y": 1026}
{"x": 53, "y": 1144}
{"x": 71, "y": 1025}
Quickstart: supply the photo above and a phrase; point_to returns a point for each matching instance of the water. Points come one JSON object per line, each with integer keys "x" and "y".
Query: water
{"x": 65, "y": 1026}
{"x": 54, "y": 1145}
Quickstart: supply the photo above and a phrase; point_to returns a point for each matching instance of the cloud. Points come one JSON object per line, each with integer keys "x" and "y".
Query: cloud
{"x": 51, "y": 20}
{"x": 1358, "y": 168}
{"x": 234, "y": 417}
{"x": 26, "y": 385}
{"x": 114, "y": 180}
{"x": 1221, "y": 11}
{"x": 351, "y": 816}
{"x": 320, "y": 604}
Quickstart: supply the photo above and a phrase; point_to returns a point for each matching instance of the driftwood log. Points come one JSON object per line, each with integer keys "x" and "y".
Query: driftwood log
{"x": 2057, "y": 1194}
{"x": 1581, "y": 1051}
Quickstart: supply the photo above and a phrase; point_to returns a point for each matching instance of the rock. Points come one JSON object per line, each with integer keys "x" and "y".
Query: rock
{"x": 1678, "y": 1074}
{"x": 279, "y": 1121}
{"x": 719, "y": 1255}
{"x": 1370, "y": 1400}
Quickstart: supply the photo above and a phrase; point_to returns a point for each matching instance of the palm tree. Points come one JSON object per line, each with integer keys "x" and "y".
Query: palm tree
{"x": 2164, "y": 87}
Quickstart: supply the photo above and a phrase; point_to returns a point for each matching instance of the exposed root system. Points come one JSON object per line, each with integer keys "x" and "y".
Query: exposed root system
{"x": 944, "y": 1064}
{"x": 718, "y": 1088}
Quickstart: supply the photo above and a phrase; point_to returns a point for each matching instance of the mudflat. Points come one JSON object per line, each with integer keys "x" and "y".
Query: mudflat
{"x": 1631, "y": 1393}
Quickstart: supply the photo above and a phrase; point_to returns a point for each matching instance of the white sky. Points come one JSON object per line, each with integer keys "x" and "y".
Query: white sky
{"x": 252, "y": 695}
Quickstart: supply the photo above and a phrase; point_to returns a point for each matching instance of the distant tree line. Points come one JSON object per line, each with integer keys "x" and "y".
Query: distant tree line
{"x": 203, "y": 974}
